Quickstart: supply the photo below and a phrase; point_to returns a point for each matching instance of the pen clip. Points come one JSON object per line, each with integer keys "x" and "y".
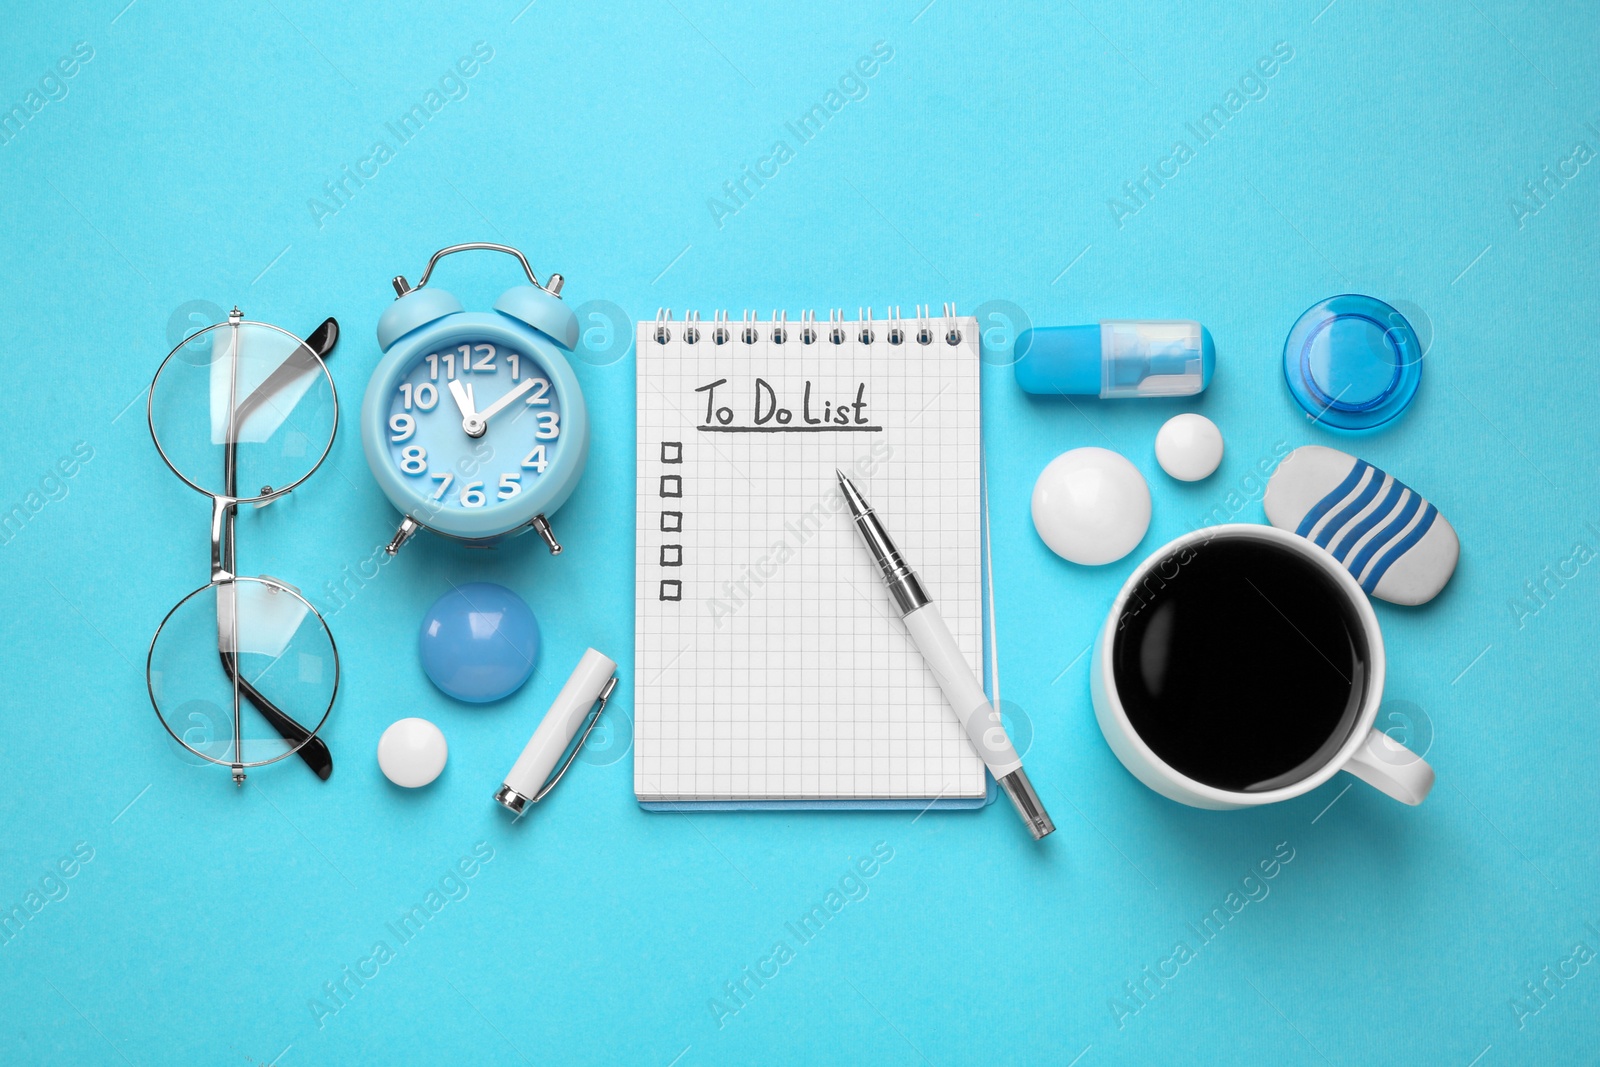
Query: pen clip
{"x": 594, "y": 717}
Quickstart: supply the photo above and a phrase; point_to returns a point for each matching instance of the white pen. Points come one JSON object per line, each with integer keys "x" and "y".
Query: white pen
{"x": 581, "y": 700}
{"x": 949, "y": 666}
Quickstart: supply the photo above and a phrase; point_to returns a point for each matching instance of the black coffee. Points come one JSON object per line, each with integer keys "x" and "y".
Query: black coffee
{"x": 1240, "y": 664}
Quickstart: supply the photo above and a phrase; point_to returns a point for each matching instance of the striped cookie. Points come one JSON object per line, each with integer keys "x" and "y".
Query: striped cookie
{"x": 1395, "y": 543}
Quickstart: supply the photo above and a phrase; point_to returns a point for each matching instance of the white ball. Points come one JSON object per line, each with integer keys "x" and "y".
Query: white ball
{"x": 1091, "y": 506}
{"x": 1189, "y": 447}
{"x": 412, "y": 752}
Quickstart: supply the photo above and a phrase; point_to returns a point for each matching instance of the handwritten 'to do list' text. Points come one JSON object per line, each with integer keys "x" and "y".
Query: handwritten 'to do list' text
{"x": 816, "y": 413}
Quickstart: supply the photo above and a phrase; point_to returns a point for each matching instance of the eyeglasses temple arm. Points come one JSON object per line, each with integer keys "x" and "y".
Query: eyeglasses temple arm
{"x": 312, "y": 749}
{"x": 320, "y": 342}
{"x": 324, "y": 337}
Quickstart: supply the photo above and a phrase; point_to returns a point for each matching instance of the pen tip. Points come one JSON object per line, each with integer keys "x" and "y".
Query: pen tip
{"x": 852, "y": 495}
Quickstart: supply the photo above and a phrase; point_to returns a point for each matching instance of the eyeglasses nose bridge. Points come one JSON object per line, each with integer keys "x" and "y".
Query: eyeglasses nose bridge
{"x": 223, "y": 510}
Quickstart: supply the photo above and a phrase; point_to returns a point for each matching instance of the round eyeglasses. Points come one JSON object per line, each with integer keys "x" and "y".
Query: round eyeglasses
{"x": 243, "y": 671}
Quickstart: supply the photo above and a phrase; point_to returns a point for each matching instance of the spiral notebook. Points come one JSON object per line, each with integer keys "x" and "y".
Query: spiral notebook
{"x": 770, "y": 666}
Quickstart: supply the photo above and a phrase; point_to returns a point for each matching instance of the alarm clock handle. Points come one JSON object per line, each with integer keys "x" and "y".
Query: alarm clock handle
{"x": 402, "y": 287}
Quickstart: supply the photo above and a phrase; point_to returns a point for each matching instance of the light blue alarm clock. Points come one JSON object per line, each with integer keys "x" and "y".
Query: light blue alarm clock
{"x": 473, "y": 422}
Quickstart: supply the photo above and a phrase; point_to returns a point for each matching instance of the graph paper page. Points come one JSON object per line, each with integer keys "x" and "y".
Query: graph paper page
{"x": 770, "y": 663}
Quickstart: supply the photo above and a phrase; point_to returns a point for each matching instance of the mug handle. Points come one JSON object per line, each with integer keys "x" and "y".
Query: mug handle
{"x": 1391, "y": 768}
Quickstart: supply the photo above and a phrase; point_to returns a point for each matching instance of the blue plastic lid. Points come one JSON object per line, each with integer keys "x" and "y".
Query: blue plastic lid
{"x": 1352, "y": 362}
{"x": 1059, "y": 360}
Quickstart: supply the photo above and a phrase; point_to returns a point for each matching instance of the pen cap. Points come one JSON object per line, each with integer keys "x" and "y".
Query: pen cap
{"x": 560, "y": 723}
{"x": 1118, "y": 358}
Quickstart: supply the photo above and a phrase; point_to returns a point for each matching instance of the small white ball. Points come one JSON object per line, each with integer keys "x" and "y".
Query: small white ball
{"x": 412, "y": 752}
{"x": 1189, "y": 447}
{"x": 1091, "y": 506}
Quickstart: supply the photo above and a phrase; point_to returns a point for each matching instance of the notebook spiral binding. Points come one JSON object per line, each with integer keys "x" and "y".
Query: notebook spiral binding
{"x": 921, "y": 328}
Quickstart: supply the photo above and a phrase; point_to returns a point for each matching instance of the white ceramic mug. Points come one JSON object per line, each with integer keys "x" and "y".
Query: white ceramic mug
{"x": 1367, "y": 753}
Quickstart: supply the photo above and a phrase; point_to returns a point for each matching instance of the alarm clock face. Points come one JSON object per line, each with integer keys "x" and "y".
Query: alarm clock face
{"x": 474, "y": 424}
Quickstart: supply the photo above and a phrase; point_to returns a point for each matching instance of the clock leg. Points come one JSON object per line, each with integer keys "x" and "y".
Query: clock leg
{"x": 542, "y": 524}
{"x": 408, "y": 528}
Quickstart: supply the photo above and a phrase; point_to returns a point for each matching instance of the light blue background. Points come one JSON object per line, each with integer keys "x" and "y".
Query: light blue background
{"x": 1383, "y": 159}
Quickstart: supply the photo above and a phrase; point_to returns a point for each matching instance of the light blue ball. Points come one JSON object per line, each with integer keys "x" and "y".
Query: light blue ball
{"x": 479, "y": 642}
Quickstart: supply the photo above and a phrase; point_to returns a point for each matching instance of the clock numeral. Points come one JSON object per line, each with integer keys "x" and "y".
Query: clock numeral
{"x": 401, "y": 426}
{"x": 485, "y": 361}
{"x": 449, "y": 360}
{"x": 424, "y": 395}
{"x": 473, "y": 496}
{"x": 539, "y": 394}
{"x": 510, "y": 484}
{"x": 549, "y": 425}
{"x": 535, "y": 460}
{"x": 444, "y": 479}
{"x": 516, "y": 365}
{"x": 413, "y": 459}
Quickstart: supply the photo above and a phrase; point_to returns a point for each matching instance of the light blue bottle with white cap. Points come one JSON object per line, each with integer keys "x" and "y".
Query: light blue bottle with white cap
{"x": 1117, "y": 358}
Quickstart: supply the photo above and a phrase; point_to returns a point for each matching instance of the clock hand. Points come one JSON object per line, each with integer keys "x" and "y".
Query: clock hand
{"x": 506, "y": 400}
{"x": 471, "y": 422}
